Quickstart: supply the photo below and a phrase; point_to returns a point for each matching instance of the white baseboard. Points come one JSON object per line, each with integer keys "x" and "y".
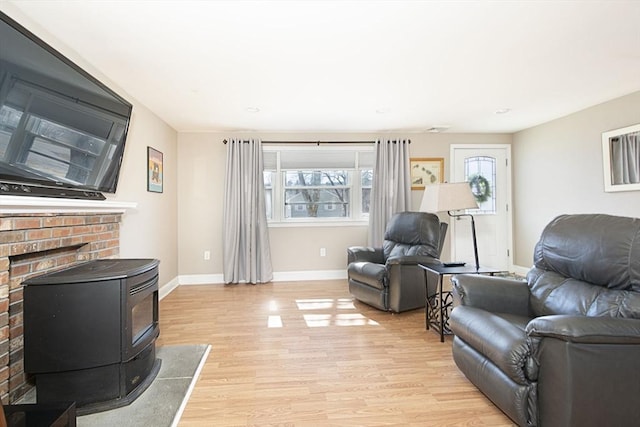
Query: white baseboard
{"x": 290, "y": 276}
{"x": 280, "y": 276}
{"x": 167, "y": 288}
{"x": 201, "y": 279}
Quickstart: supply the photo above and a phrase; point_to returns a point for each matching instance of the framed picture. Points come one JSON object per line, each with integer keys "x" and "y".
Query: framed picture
{"x": 426, "y": 171}
{"x": 154, "y": 170}
{"x": 620, "y": 161}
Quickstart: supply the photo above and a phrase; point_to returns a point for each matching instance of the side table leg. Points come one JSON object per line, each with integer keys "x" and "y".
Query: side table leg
{"x": 441, "y": 308}
{"x": 426, "y": 299}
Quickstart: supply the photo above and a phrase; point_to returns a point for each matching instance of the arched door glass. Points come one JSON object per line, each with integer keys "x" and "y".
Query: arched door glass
{"x": 480, "y": 173}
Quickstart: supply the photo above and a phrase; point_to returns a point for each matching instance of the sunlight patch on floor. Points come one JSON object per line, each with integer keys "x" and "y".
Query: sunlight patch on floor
{"x": 274, "y": 322}
{"x": 325, "y": 319}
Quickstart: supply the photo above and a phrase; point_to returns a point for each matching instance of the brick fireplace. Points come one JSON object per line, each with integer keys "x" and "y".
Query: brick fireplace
{"x": 36, "y": 243}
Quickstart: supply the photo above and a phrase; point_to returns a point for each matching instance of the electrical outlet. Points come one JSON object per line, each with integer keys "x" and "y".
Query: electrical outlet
{"x": 207, "y": 255}
{"x": 323, "y": 251}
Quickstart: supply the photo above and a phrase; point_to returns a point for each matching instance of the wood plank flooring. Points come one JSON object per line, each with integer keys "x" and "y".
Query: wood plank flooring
{"x": 306, "y": 354}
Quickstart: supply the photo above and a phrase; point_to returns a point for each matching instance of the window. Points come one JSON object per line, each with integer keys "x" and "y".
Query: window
{"x": 480, "y": 172}
{"x": 317, "y": 183}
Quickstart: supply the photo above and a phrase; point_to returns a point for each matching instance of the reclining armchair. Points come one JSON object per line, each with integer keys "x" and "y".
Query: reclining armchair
{"x": 563, "y": 347}
{"x": 389, "y": 278}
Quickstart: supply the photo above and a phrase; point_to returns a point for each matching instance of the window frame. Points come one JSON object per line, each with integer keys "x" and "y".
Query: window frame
{"x": 356, "y": 216}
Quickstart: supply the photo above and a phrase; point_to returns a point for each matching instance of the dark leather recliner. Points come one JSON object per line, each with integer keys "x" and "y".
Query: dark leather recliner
{"x": 563, "y": 347}
{"x": 389, "y": 278}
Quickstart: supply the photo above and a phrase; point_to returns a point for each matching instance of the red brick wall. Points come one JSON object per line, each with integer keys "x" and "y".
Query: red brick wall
{"x": 33, "y": 244}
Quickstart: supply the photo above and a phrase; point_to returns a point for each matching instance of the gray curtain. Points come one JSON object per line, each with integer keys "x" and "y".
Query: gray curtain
{"x": 391, "y": 189}
{"x": 625, "y": 156}
{"x": 246, "y": 254}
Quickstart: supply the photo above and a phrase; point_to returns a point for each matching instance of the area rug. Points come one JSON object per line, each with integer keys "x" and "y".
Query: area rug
{"x": 163, "y": 402}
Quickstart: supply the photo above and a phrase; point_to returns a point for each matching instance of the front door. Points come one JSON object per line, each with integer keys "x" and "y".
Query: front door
{"x": 487, "y": 168}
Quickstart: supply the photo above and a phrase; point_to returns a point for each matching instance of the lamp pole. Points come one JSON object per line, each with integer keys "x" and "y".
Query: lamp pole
{"x": 473, "y": 235}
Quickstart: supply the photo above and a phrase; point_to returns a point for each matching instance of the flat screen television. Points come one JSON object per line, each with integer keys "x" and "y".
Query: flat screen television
{"x": 62, "y": 132}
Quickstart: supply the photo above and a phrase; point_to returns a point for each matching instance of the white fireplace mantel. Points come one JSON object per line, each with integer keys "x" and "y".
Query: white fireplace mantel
{"x": 27, "y": 205}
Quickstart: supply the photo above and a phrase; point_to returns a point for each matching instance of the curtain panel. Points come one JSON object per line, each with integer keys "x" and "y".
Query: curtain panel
{"x": 246, "y": 252}
{"x": 391, "y": 188}
{"x": 625, "y": 153}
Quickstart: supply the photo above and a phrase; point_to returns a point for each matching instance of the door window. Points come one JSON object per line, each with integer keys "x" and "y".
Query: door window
{"x": 480, "y": 173}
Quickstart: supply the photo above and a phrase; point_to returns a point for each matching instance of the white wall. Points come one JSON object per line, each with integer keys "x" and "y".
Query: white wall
{"x": 293, "y": 249}
{"x": 150, "y": 231}
{"x": 201, "y": 177}
{"x": 557, "y": 169}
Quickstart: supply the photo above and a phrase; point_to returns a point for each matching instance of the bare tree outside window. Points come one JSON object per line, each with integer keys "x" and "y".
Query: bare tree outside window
{"x": 319, "y": 193}
{"x": 366, "y": 180}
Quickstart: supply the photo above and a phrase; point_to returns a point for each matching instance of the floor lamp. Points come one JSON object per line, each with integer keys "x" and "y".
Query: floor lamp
{"x": 449, "y": 198}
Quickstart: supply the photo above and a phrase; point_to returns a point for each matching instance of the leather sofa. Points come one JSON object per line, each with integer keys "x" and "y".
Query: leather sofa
{"x": 389, "y": 278}
{"x": 563, "y": 347}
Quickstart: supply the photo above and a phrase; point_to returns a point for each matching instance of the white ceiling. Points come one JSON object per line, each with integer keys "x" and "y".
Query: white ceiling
{"x": 354, "y": 66}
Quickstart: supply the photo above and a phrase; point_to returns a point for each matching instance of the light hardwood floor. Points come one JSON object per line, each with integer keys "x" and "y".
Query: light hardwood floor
{"x": 306, "y": 354}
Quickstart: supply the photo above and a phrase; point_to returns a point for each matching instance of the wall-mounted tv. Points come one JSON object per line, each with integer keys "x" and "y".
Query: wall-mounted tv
{"x": 62, "y": 132}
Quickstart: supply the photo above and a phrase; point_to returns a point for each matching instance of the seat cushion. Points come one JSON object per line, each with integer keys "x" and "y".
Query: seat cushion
{"x": 499, "y": 337}
{"x": 374, "y": 275}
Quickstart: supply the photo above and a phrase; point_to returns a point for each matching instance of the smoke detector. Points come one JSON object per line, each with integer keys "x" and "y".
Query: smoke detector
{"x": 437, "y": 129}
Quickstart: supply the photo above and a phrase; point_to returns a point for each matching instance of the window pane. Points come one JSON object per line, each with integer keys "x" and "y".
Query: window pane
{"x": 268, "y": 179}
{"x": 316, "y": 178}
{"x": 317, "y": 159}
{"x": 366, "y": 177}
{"x": 366, "y": 159}
{"x": 480, "y": 172}
{"x": 366, "y": 180}
{"x": 366, "y": 200}
{"x": 268, "y": 193}
{"x": 317, "y": 203}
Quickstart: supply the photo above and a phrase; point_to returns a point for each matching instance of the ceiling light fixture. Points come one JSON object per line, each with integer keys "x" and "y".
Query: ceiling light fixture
{"x": 253, "y": 109}
{"x": 503, "y": 111}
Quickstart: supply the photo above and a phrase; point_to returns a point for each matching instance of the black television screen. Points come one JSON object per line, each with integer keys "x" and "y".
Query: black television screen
{"x": 62, "y": 132}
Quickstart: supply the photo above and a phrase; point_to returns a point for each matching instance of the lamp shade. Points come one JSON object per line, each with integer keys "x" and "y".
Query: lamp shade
{"x": 448, "y": 197}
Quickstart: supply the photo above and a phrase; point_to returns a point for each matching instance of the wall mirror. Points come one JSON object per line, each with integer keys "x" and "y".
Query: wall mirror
{"x": 621, "y": 159}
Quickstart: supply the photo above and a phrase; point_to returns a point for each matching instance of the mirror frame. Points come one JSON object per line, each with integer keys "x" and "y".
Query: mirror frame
{"x": 607, "y": 160}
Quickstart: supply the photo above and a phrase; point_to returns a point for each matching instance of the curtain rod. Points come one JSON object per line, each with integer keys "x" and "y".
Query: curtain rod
{"x": 224, "y": 141}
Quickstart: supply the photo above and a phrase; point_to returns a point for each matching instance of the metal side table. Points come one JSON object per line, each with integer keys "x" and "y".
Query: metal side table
{"x": 438, "y": 303}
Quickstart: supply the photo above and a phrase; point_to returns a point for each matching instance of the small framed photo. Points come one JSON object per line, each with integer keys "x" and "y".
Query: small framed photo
{"x": 621, "y": 163}
{"x": 155, "y": 170}
{"x": 426, "y": 171}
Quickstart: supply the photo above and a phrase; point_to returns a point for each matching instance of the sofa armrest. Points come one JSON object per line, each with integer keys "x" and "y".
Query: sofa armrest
{"x": 494, "y": 294}
{"x": 578, "y": 357}
{"x": 584, "y": 329}
{"x": 364, "y": 254}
